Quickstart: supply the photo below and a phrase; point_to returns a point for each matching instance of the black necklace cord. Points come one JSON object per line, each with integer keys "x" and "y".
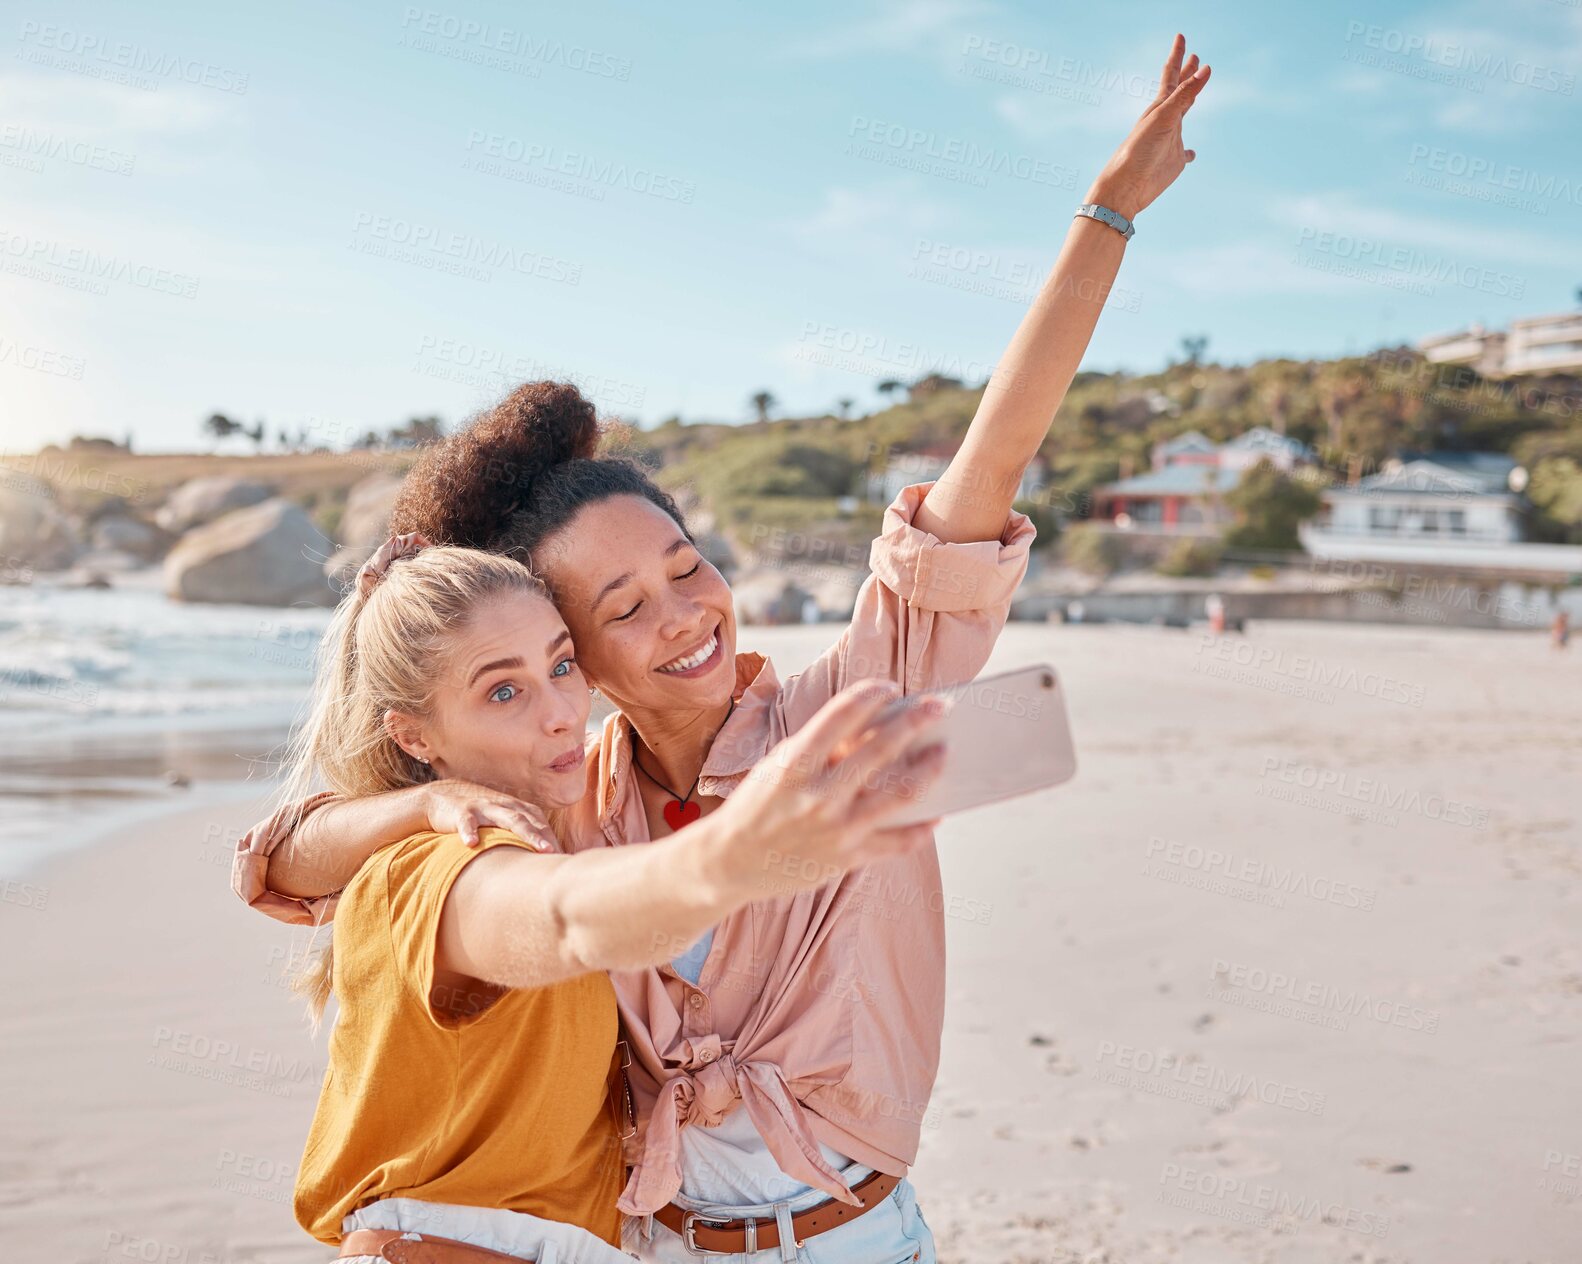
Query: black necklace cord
{"x": 638, "y": 764}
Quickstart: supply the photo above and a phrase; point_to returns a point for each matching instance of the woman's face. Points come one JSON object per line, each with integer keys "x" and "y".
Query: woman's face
{"x": 510, "y": 705}
{"x": 654, "y": 623}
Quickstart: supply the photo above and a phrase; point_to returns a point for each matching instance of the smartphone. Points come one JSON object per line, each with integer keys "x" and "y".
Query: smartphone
{"x": 1005, "y": 735}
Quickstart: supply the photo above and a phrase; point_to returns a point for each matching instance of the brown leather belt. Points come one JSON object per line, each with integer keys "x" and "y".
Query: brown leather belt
{"x": 703, "y": 1236}
{"x": 401, "y": 1247}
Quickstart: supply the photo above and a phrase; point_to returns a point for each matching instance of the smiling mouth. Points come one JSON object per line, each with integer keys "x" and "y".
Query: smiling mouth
{"x": 696, "y": 659}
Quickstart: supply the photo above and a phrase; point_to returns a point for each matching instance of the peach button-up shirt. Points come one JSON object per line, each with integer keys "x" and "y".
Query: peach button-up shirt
{"x": 819, "y": 1013}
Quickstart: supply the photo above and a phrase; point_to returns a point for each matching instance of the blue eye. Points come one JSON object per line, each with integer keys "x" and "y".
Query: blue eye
{"x": 503, "y": 694}
{"x": 567, "y": 664}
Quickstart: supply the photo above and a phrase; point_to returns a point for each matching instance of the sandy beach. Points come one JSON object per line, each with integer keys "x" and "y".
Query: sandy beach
{"x": 1290, "y": 972}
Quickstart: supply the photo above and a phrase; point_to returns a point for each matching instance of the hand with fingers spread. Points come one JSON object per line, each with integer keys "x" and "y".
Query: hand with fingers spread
{"x": 1149, "y": 160}
{"x": 821, "y": 802}
{"x": 464, "y": 808}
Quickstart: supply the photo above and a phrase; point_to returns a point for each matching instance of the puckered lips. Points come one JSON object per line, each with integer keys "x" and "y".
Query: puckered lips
{"x": 570, "y": 761}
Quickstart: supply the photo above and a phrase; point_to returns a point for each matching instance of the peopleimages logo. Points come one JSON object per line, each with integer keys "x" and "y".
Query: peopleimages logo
{"x": 1253, "y": 1202}
{"x": 1497, "y": 175}
{"x": 1409, "y": 262}
{"x": 1217, "y": 869}
{"x": 970, "y": 158}
{"x": 1305, "y": 669}
{"x": 1164, "y": 1073}
{"x": 447, "y": 250}
{"x": 81, "y": 267}
{"x": 123, "y": 61}
{"x": 1228, "y": 980}
{"x": 1372, "y": 791}
{"x": 1459, "y": 58}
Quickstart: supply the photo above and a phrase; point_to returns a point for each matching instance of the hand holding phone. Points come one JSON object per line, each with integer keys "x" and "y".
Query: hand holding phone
{"x": 1005, "y": 735}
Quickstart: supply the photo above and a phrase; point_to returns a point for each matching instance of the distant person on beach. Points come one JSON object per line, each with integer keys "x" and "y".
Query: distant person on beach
{"x": 1560, "y": 630}
{"x": 475, "y": 1089}
{"x": 1214, "y": 607}
{"x": 776, "y": 1118}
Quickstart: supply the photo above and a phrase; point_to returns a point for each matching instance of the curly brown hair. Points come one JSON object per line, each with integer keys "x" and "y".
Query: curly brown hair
{"x": 517, "y": 473}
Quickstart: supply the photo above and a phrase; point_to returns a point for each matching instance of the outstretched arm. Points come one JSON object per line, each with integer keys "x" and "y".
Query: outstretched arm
{"x": 816, "y": 805}
{"x": 973, "y": 497}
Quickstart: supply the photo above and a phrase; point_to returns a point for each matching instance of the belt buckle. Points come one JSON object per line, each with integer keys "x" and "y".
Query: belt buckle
{"x": 690, "y": 1241}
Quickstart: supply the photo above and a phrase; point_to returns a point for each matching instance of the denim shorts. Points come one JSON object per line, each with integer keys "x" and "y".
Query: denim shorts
{"x": 511, "y": 1232}
{"x": 891, "y": 1233}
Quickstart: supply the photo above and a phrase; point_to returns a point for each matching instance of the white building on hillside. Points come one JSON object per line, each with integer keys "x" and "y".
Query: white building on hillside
{"x": 1537, "y": 344}
{"x": 1453, "y": 509}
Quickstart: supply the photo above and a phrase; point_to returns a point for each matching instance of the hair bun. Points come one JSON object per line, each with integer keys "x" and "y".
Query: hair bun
{"x": 464, "y": 489}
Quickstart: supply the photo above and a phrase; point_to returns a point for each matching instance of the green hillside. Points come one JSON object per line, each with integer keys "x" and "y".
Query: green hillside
{"x": 1356, "y": 413}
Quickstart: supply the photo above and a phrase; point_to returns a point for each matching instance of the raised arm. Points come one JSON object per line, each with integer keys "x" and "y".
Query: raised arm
{"x": 972, "y": 498}
{"x": 817, "y": 805}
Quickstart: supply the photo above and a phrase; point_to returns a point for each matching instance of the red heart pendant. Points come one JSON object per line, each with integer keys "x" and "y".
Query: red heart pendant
{"x": 678, "y": 813}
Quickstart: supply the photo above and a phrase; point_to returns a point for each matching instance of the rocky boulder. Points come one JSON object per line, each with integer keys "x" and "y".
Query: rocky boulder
{"x": 34, "y": 533}
{"x": 122, "y": 533}
{"x": 342, "y": 568}
{"x": 202, "y": 500}
{"x": 365, "y": 525}
{"x": 266, "y": 555}
{"x": 366, "y": 521}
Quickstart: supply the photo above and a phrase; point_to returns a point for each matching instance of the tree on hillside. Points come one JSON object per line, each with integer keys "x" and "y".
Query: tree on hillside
{"x": 256, "y": 434}
{"x": 1276, "y": 402}
{"x": 888, "y": 387}
{"x": 1269, "y": 505}
{"x": 1555, "y": 488}
{"x": 221, "y": 426}
{"x": 1192, "y": 348}
{"x": 844, "y": 405}
{"x": 762, "y": 402}
{"x": 416, "y": 432}
{"x": 932, "y": 382}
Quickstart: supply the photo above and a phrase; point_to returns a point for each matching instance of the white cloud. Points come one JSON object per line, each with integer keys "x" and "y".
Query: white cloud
{"x": 1107, "y": 98}
{"x": 900, "y": 26}
{"x": 855, "y": 216}
{"x": 1340, "y": 213}
{"x": 1241, "y": 269}
{"x": 77, "y": 105}
{"x": 1470, "y": 76}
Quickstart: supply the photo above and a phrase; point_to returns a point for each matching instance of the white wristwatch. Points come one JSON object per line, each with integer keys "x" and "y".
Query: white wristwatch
{"x": 1104, "y": 215}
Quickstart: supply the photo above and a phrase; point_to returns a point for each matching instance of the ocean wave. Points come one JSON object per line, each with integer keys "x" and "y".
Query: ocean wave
{"x": 125, "y": 653}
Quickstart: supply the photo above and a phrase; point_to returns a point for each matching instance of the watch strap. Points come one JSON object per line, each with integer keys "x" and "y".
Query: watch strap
{"x": 1104, "y": 215}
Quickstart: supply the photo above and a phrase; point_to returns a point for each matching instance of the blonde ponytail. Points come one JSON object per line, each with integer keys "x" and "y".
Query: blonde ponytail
{"x": 382, "y": 652}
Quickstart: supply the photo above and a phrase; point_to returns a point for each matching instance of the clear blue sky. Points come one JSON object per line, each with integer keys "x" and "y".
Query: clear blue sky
{"x": 342, "y": 215}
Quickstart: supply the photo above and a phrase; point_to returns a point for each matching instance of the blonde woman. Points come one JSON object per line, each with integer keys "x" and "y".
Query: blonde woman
{"x": 474, "y": 1107}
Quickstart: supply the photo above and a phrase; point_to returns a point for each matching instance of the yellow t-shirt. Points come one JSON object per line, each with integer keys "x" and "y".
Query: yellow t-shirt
{"x": 510, "y": 1108}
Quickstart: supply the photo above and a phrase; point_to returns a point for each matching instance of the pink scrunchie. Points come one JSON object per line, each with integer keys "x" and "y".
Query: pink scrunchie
{"x": 392, "y": 550}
